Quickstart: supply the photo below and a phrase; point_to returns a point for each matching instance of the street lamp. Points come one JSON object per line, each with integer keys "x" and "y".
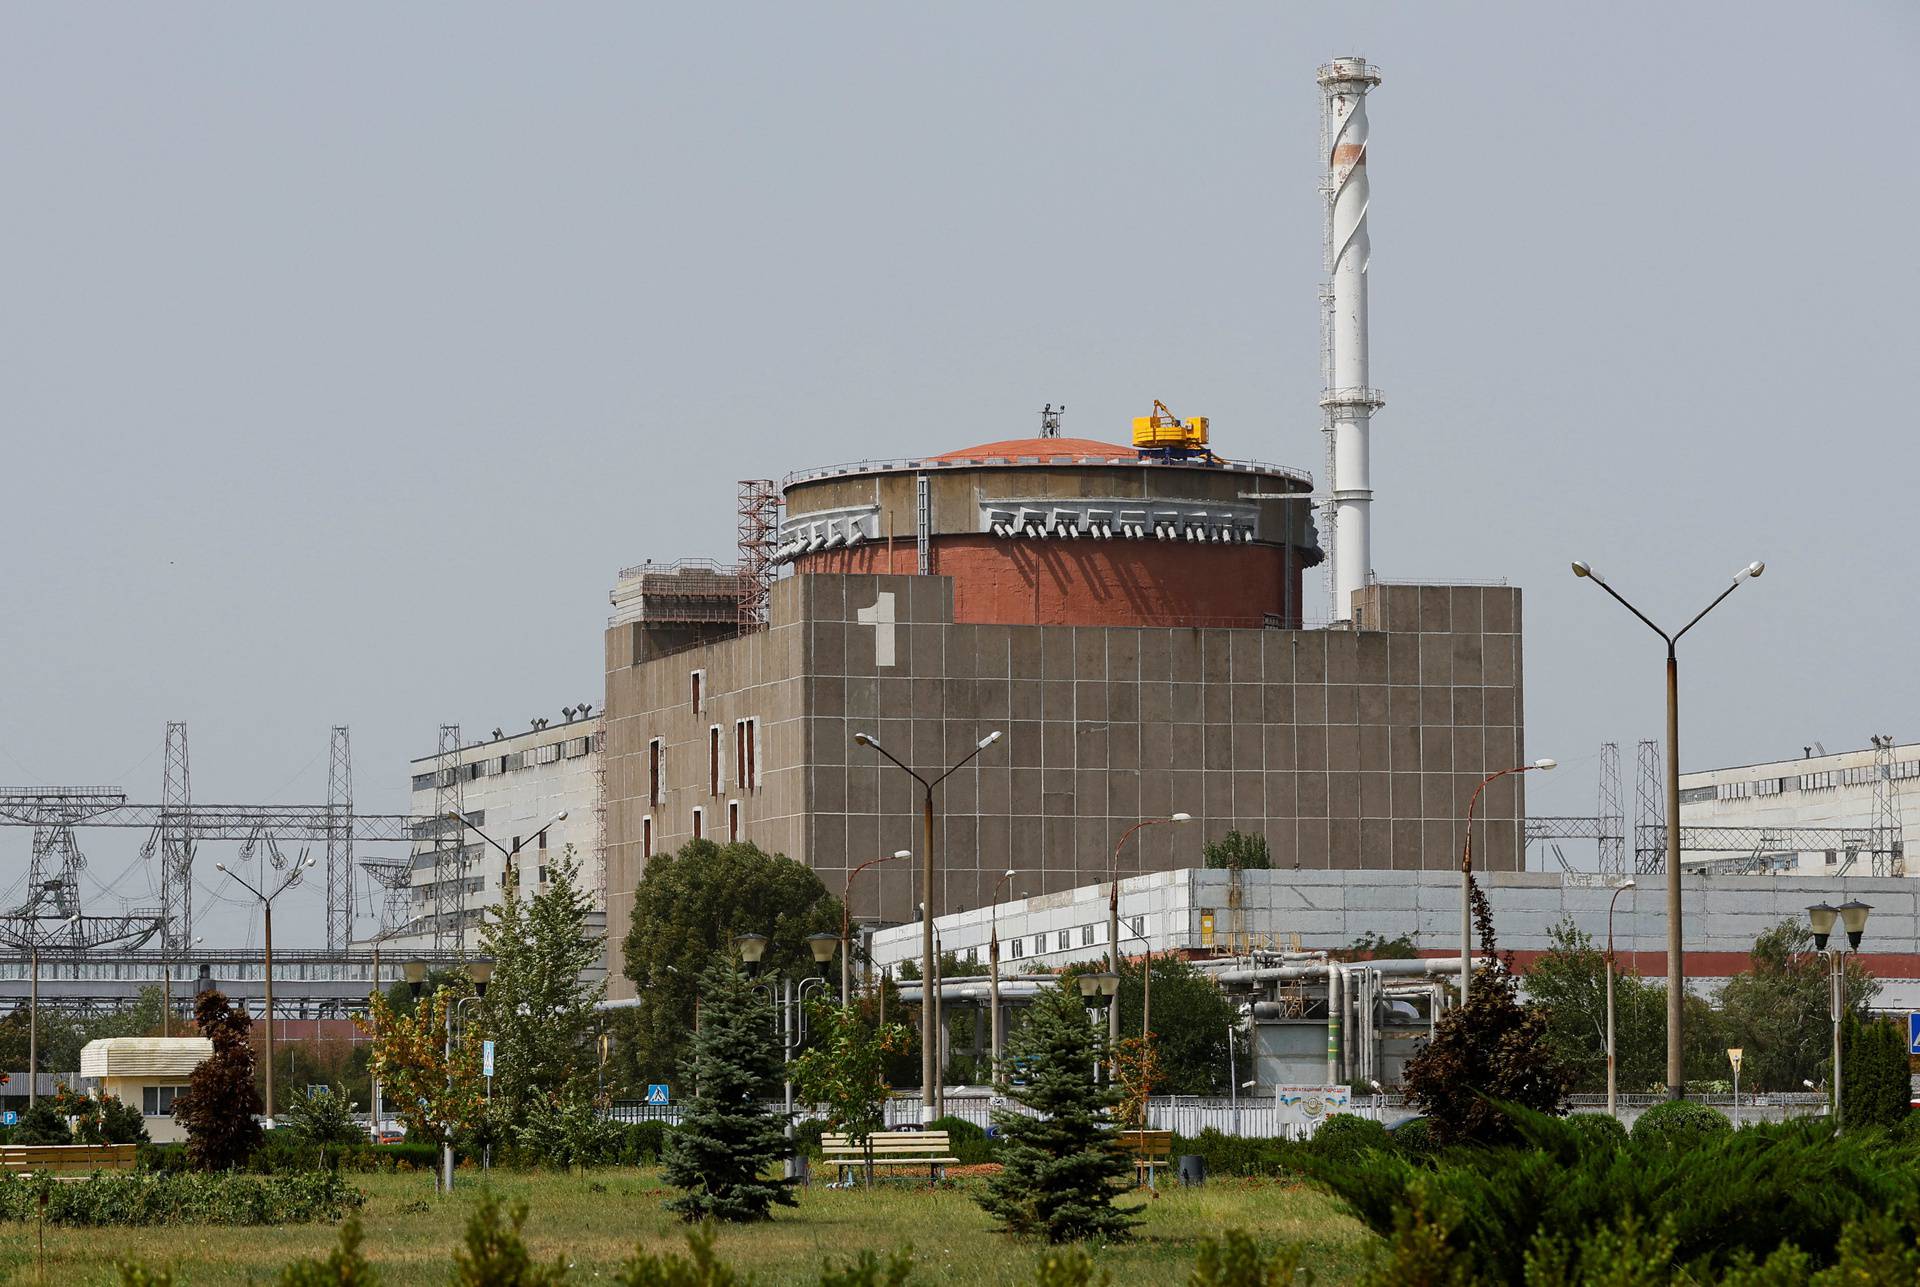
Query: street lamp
{"x": 266, "y": 901}
{"x": 823, "y": 945}
{"x": 751, "y": 948}
{"x": 480, "y": 973}
{"x": 789, "y": 1002}
{"x": 932, "y": 1103}
{"x": 1676, "y": 964}
{"x": 1097, "y": 989}
{"x": 1466, "y": 872}
{"x": 519, "y": 842}
{"x": 846, "y": 928}
{"x": 993, "y": 969}
{"x": 33, "y": 1014}
{"x": 1852, "y": 916}
{"x": 1113, "y": 907}
{"x": 1611, "y": 904}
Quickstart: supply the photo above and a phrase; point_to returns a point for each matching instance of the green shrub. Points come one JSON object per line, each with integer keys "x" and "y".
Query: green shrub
{"x": 163, "y": 1158}
{"x": 1414, "y": 1138}
{"x": 1600, "y": 1130}
{"x": 343, "y": 1267}
{"x": 698, "y": 1268}
{"x": 494, "y": 1255}
{"x": 969, "y": 1143}
{"x": 807, "y": 1137}
{"x": 638, "y": 1143}
{"x": 1236, "y": 1260}
{"x": 1240, "y": 1155}
{"x": 324, "y": 1117}
{"x": 870, "y": 1270}
{"x": 1679, "y": 1123}
{"x": 42, "y": 1124}
{"x": 137, "y": 1198}
{"x": 1345, "y": 1135}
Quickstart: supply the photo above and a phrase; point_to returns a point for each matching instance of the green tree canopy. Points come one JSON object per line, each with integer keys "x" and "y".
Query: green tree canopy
{"x": 539, "y": 1007}
{"x": 686, "y": 911}
{"x": 1238, "y": 849}
{"x": 1190, "y": 1016}
{"x": 1568, "y": 986}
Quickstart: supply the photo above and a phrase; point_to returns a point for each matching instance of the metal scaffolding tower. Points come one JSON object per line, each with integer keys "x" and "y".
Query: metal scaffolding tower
{"x": 1650, "y": 824}
{"x": 176, "y": 842}
{"x": 395, "y": 877}
{"x": 759, "y": 527}
{"x": 339, "y": 839}
{"x": 1889, "y": 838}
{"x": 1613, "y": 815}
{"x": 449, "y": 849}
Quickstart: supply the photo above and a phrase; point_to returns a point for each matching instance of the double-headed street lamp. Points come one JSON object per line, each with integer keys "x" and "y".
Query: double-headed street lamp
{"x": 1852, "y": 916}
{"x": 519, "y": 842}
{"x": 1466, "y": 872}
{"x": 930, "y": 1092}
{"x": 1676, "y": 965}
{"x": 846, "y": 926}
{"x": 266, "y": 902}
{"x": 789, "y": 1002}
{"x": 480, "y": 973}
{"x": 1113, "y": 907}
{"x": 1611, "y": 904}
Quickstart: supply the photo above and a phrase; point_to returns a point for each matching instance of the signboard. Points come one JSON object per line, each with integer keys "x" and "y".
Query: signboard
{"x": 9, "y": 1118}
{"x": 486, "y": 1059}
{"x": 1913, "y": 1033}
{"x": 657, "y": 1095}
{"x": 1206, "y": 929}
{"x": 1733, "y": 1057}
{"x": 1308, "y": 1106}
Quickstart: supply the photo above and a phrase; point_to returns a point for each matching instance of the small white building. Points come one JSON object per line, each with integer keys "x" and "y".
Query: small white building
{"x": 149, "y": 1072}
{"x": 511, "y": 786}
{"x": 1838, "y": 795}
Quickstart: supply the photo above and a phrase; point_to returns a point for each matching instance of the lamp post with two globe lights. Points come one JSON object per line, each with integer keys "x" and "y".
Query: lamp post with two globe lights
{"x": 300, "y": 868}
{"x": 789, "y": 1000}
{"x": 1676, "y": 964}
{"x": 1852, "y": 916}
{"x": 931, "y": 1099}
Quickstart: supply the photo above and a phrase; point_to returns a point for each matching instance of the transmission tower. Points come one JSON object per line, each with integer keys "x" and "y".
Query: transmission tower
{"x": 1612, "y": 815}
{"x": 449, "y": 922}
{"x": 339, "y": 839}
{"x": 1889, "y": 839}
{"x": 1650, "y": 833}
{"x": 395, "y": 877}
{"x": 176, "y": 842}
{"x": 759, "y": 514}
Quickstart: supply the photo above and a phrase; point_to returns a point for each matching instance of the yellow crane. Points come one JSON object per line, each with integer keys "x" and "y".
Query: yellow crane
{"x": 1163, "y": 431}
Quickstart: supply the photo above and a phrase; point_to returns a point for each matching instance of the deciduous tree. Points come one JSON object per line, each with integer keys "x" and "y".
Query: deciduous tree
{"x": 845, "y": 1070}
{"x": 437, "y": 1096}
{"x": 220, "y": 1105}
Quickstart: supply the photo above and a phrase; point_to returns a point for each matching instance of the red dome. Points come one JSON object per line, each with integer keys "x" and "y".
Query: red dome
{"x": 1066, "y": 450}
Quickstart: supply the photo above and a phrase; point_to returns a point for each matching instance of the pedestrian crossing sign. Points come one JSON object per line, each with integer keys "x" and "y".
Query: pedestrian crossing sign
{"x": 1913, "y": 1033}
{"x": 657, "y": 1095}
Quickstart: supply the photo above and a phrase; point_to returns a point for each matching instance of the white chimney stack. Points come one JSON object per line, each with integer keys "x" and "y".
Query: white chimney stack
{"x": 1350, "y": 399}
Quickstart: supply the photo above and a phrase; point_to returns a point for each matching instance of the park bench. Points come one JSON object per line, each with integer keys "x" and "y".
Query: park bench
{"x": 1148, "y": 1150}
{"x": 67, "y": 1159}
{"x": 930, "y": 1149}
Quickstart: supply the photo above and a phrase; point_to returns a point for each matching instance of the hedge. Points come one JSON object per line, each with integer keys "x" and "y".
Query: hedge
{"x": 136, "y": 1198}
{"x": 1679, "y": 1123}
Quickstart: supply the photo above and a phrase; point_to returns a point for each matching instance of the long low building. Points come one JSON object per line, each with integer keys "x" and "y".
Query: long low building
{"x": 1202, "y": 912}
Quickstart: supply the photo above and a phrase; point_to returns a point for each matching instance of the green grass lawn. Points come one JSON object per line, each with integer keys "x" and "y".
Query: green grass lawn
{"x": 595, "y": 1220}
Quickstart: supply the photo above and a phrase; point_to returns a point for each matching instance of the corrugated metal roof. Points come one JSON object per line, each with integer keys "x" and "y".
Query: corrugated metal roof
{"x": 143, "y": 1056}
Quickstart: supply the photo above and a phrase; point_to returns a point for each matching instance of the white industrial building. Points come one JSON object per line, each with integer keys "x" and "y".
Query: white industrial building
{"x": 512, "y": 787}
{"x": 1815, "y": 813}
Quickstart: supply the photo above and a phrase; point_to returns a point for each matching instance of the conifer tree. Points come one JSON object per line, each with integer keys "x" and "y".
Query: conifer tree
{"x": 729, "y": 1138}
{"x": 1060, "y": 1171}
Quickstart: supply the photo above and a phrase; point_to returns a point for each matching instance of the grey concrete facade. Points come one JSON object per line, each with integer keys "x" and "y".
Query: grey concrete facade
{"x": 1344, "y": 748}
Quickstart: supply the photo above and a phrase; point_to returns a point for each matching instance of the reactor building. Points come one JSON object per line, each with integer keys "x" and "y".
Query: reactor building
{"x": 1130, "y": 616}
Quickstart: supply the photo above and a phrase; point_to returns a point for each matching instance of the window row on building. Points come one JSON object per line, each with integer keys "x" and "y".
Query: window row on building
{"x": 571, "y": 748}
{"x": 1827, "y": 780}
{"x": 1062, "y": 940}
{"x": 748, "y": 773}
{"x": 696, "y": 824}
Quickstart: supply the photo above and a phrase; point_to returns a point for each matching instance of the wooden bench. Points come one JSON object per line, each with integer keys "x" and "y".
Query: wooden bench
{"x": 67, "y": 1159}
{"x": 1148, "y": 1149}
{"x": 930, "y": 1149}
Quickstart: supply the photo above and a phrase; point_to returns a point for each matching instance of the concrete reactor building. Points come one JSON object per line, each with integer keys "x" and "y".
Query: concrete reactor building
{"x": 1129, "y": 617}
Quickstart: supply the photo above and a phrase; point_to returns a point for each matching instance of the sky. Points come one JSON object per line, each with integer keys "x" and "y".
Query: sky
{"x": 347, "y": 352}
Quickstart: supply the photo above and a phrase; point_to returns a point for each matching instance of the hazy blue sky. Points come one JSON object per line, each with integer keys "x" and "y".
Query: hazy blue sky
{"x": 347, "y": 352}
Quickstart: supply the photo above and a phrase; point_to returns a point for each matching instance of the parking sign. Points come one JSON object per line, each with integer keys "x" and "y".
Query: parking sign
{"x": 9, "y": 1118}
{"x": 657, "y": 1095}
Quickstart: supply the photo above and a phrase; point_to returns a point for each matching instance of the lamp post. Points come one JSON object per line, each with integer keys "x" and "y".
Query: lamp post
{"x": 1676, "y": 964}
{"x": 519, "y": 842}
{"x": 1466, "y": 872}
{"x": 931, "y": 1104}
{"x": 789, "y": 1002}
{"x": 1852, "y": 916}
{"x": 993, "y": 971}
{"x": 846, "y": 928}
{"x": 266, "y": 902}
{"x": 1611, "y": 904}
{"x": 1098, "y": 991}
{"x": 1113, "y": 907}
{"x": 33, "y": 1014}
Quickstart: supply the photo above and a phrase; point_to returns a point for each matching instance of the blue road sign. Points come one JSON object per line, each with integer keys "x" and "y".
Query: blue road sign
{"x": 9, "y": 1118}
{"x": 486, "y": 1059}
{"x": 657, "y": 1095}
{"x": 1913, "y": 1033}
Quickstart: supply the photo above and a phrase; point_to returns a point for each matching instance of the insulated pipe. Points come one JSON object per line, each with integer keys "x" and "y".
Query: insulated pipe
{"x": 1350, "y": 399}
{"x": 1333, "y": 1023}
{"x": 1419, "y": 966}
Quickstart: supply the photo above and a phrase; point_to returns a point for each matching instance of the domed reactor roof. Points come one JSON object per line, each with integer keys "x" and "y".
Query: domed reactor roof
{"x": 1067, "y": 531}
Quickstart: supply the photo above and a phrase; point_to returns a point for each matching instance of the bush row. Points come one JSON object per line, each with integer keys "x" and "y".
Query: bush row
{"x": 289, "y": 1155}
{"x": 135, "y": 1198}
